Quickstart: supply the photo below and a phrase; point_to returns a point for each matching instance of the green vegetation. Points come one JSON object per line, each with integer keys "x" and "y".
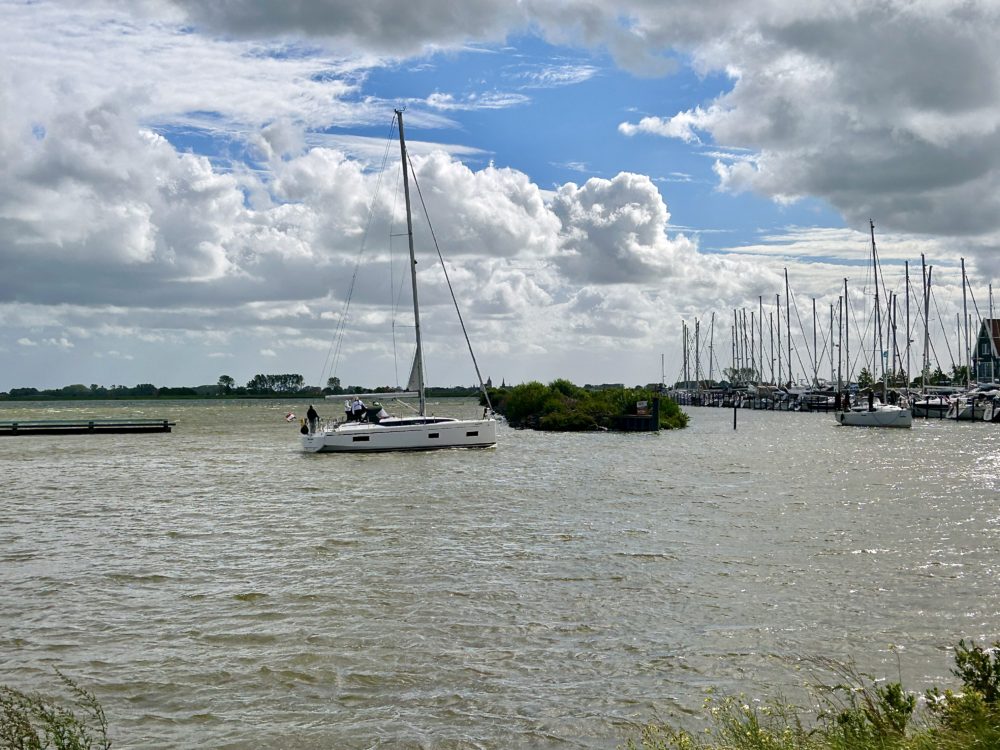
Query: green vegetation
{"x": 562, "y": 406}
{"x": 857, "y": 713}
{"x": 29, "y": 721}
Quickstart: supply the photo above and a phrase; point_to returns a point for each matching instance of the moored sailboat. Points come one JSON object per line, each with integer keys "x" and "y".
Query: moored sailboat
{"x": 420, "y": 431}
{"x": 875, "y": 413}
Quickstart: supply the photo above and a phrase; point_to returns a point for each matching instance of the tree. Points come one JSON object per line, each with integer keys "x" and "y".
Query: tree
{"x": 937, "y": 377}
{"x": 275, "y": 383}
{"x": 226, "y": 383}
{"x": 741, "y": 375}
{"x": 865, "y": 378}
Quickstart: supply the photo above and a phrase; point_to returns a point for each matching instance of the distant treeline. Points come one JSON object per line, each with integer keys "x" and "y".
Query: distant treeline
{"x": 289, "y": 385}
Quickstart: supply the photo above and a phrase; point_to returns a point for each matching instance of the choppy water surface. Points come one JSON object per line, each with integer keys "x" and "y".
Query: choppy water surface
{"x": 216, "y": 587}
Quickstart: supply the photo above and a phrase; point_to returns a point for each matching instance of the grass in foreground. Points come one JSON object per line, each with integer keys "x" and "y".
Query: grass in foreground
{"x": 857, "y": 713}
{"x": 30, "y": 721}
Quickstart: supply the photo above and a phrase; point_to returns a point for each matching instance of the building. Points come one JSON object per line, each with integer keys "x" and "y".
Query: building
{"x": 986, "y": 354}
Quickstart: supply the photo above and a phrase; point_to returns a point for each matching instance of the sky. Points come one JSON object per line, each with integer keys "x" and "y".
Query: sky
{"x": 197, "y": 189}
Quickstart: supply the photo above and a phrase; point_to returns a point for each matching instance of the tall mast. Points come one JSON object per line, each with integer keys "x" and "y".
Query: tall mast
{"x": 894, "y": 298}
{"x": 926, "y": 364}
{"x": 847, "y": 337}
{"x": 965, "y": 317}
{"x": 733, "y": 373}
{"x": 770, "y": 328}
{"x": 815, "y": 350}
{"x": 777, "y": 308}
{"x": 908, "y": 377}
{"x": 711, "y": 351}
{"x": 419, "y": 355}
{"x": 788, "y": 326}
{"x": 760, "y": 338}
{"x": 684, "y": 353}
{"x": 697, "y": 352}
{"x": 877, "y": 346}
{"x": 840, "y": 345}
{"x": 736, "y": 346}
{"x": 833, "y": 367}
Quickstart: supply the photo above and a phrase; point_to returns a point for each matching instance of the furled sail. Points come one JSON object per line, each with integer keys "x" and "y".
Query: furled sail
{"x": 416, "y": 376}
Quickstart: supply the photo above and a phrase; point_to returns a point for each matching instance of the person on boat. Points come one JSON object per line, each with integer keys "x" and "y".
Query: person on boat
{"x": 313, "y": 418}
{"x": 347, "y": 410}
{"x": 871, "y": 400}
{"x": 358, "y": 409}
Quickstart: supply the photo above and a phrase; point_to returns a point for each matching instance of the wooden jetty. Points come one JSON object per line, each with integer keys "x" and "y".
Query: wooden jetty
{"x": 82, "y": 426}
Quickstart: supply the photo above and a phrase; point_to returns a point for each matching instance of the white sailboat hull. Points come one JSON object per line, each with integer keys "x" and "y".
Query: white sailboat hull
{"x": 881, "y": 416}
{"x": 416, "y": 434}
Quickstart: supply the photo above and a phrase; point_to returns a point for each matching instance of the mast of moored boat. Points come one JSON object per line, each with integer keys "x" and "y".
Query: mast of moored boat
{"x": 877, "y": 350}
{"x": 418, "y": 361}
{"x": 788, "y": 321}
{"x": 909, "y": 375}
{"x": 833, "y": 365}
{"x": 815, "y": 351}
{"x": 847, "y": 338}
{"x": 878, "y": 329}
{"x": 926, "y": 363}
{"x": 711, "y": 352}
{"x": 777, "y": 308}
{"x": 966, "y": 353}
{"x": 840, "y": 345}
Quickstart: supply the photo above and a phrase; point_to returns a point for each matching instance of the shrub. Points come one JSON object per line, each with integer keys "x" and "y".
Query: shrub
{"x": 858, "y": 713}
{"x": 564, "y": 406}
{"x": 979, "y": 669}
{"x": 572, "y": 421}
{"x": 33, "y": 722}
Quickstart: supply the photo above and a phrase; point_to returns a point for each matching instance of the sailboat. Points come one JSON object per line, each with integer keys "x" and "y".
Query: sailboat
{"x": 875, "y": 413}
{"x": 417, "y": 432}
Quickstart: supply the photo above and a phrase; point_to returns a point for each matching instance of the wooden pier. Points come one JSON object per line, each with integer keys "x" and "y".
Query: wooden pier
{"x": 12, "y": 427}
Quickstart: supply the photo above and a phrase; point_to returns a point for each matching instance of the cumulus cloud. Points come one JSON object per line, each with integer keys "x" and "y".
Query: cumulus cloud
{"x": 888, "y": 109}
{"x": 615, "y": 231}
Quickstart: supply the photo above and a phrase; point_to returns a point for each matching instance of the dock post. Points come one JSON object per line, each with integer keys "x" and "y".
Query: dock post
{"x": 734, "y": 417}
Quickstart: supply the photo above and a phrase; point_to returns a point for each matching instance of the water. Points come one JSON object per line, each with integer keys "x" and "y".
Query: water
{"x": 215, "y": 587}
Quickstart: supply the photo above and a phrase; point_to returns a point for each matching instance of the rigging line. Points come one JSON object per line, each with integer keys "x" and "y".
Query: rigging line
{"x": 336, "y": 346}
{"x": 975, "y": 305}
{"x": 860, "y": 335}
{"x": 798, "y": 357}
{"x": 947, "y": 337}
{"x": 862, "y": 350}
{"x": 444, "y": 268}
{"x": 798, "y": 317}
